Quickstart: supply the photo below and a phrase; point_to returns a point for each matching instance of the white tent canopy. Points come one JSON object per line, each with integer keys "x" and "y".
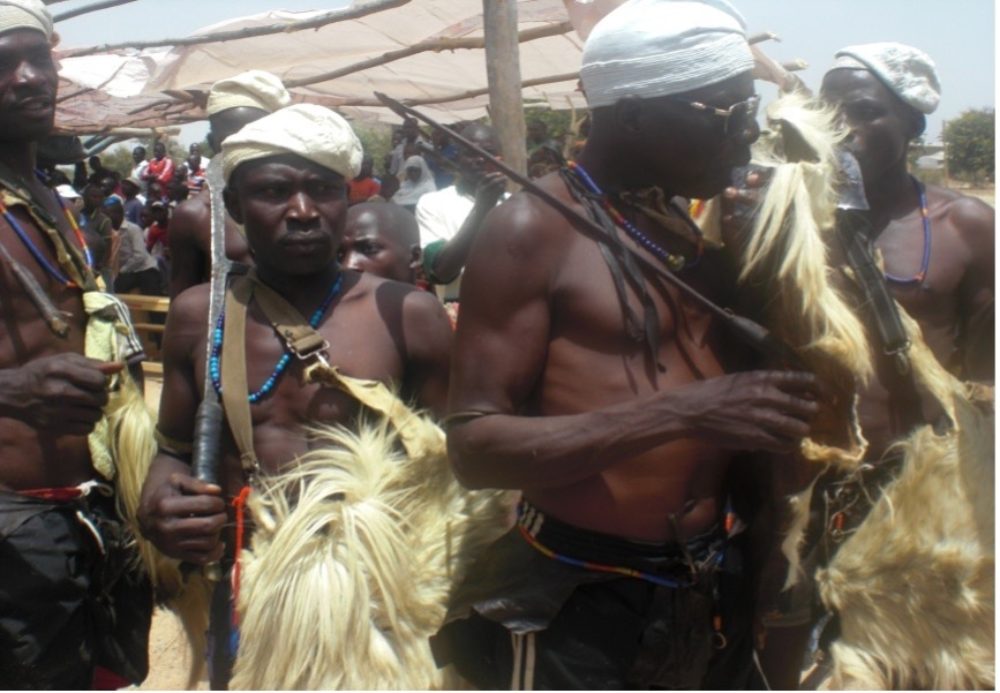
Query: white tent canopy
{"x": 160, "y": 87}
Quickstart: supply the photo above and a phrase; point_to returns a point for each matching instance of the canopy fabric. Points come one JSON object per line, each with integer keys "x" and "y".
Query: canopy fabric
{"x": 162, "y": 87}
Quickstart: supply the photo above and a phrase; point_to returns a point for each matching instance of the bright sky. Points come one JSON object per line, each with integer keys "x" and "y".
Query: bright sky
{"x": 958, "y": 34}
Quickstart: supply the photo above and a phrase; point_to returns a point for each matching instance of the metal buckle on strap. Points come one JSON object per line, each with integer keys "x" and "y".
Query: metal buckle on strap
{"x": 311, "y": 347}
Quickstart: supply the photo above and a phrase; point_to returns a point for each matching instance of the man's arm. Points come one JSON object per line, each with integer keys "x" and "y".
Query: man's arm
{"x": 975, "y": 222}
{"x": 449, "y": 261}
{"x": 500, "y": 351}
{"x": 427, "y": 336}
{"x": 188, "y": 225}
{"x": 182, "y": 516}
{"x": 167, "y": 174}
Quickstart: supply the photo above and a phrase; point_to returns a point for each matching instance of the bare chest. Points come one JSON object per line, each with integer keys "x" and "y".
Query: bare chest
{"x": 23, "y": 333}
{"x": 285, "y": 404}
{"x": 924, "y": 264}
{"x": 601, "y": 339}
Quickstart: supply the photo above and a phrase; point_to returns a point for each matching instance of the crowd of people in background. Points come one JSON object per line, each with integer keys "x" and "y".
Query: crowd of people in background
{"x": 126, "y": 217}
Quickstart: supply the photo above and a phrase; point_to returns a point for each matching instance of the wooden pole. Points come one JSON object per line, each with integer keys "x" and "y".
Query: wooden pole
{"x": 436, "y": 45}
{"x": 503, "y": 71}
{"x": 331, "y": 17}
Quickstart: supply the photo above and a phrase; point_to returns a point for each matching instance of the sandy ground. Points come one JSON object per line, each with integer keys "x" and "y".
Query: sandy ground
{"x": 169, "y": 655}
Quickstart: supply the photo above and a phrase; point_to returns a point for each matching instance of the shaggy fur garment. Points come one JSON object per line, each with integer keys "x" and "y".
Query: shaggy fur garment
{"x": 784, "y": 258}
{"x": 356, "y": 549}
{"x": 914, "y": 585}
{"x": 131, "y": 425}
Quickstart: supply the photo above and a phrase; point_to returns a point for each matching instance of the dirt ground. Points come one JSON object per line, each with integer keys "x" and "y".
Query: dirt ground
{"x": 169, "y": 656}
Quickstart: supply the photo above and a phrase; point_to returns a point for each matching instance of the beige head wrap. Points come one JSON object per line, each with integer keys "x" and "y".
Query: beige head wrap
{"x": 908, "y": 72}
{"x": 307, "y": 130}
{"x": 25, "y": 14}
{"x": 652, "y": 48}
{"x": 253, "y": 88}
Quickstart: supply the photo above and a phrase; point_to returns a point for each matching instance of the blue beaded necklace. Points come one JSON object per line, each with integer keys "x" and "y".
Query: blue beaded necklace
{"x": 215, "y": 370}
{"x": 40, "y": 258}
{"x": 674, "y": 261}
{"x": 925, "y": 263}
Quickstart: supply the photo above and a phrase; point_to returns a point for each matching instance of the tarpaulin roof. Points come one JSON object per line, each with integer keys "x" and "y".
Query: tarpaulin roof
{"x": 159, "y": 87}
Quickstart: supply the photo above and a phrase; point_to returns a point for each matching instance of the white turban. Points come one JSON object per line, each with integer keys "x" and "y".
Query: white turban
{"x": 254, "y": 89}
{"x": 25, "y": 14}
{"x": 651, "y": 48}
{"x": 307, "y": 130}
{"x": 908, "y": 72}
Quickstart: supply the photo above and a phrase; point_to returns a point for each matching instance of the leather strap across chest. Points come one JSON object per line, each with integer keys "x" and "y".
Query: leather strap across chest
{"x": 308, "y": 345}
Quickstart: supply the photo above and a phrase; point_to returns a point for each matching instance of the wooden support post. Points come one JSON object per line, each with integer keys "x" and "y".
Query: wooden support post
{"x": 503, "y": 70}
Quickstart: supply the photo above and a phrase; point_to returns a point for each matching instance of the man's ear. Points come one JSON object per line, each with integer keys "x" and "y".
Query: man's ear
{"x": 232, "y": 200}
{"x": 627, "y": 111}
{"x": 917, "y": 123}
{"x": 416, "y": 256}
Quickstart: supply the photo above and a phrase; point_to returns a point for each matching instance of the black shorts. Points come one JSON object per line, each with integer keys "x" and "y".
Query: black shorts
{"x": 523, "y": 620}
{"x": 72, "y": 596}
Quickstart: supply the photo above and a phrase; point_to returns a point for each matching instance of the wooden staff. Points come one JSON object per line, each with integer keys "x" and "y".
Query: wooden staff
{"x": 752, "y": 333}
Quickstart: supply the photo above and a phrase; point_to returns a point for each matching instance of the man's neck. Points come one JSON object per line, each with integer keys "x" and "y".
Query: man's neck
{"x": 303, "y": 292}
{"x": 613, "y": 173}
{"x": 19, "y": 158}
{"x": 893, "y": 196}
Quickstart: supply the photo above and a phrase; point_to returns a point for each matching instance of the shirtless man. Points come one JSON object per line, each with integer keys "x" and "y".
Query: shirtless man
{"x": 620, "y": 439}
{"x": 232, "y": 103}
{"x": 292, "y": 201}
{"x": 381, "y": 238}
{"x": 940, "y": 269}
{"x": 73, "y": 616}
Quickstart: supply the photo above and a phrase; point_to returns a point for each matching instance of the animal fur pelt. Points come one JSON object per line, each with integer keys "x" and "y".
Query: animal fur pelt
{"x": 133, "y": 445}
{"x": 914, "y": 585}
{"x": 355, "y": 551}
{"x": 784, "y": 258}
{"x": 125, "y": 438}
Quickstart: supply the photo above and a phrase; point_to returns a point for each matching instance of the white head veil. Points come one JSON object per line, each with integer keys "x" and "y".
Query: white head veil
{"x": 409, "y": 192}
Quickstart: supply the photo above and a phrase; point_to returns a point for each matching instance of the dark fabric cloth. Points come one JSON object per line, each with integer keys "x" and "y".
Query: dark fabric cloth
{"x": 72, "y": 598}
{"x": 598, "y": 630}
{"x": 148, "y": 282}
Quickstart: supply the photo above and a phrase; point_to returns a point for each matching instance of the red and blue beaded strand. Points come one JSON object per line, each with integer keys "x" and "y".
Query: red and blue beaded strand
{"x": 215, "y": 370}
{"x": 672, "y": 260}
{"x": 921, "y": 274}
{"x": 37, "y": 253}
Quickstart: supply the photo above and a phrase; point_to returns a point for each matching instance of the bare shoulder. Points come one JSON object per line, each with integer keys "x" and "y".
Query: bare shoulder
{"x": 188, "y": 309}
{"x": 523, "y": 237}
{"x": 190, "y": 214}
{"x": 525, "y": 220}
{"x": 414, "y": 319}
{"x": 970, "y": 219}
{"x": 395, "y": 297}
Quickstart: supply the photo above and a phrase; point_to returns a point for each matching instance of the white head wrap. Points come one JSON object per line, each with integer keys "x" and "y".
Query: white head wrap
{"x": 253, "y": 88}
{"x": 307, "y": 130}
{"x": 908, "y": 72}
{"x": 651, "y": 48}
{"x": 410, "y": 192}
{"x": 25, "y": 14}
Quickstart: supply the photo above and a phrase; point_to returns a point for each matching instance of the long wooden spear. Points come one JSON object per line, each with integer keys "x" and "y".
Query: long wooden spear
{"x": 751, "y": 333}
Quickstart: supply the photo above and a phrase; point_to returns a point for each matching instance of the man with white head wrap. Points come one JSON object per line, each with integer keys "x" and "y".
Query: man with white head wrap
{"x": 602, "y": 394}
{"x": 937, "y": 244}
{"x": 937, "y": 253}
{"x": 232, "y": 103}
{"x": 286, "y": 179}
{"x": 75, "y": 611}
